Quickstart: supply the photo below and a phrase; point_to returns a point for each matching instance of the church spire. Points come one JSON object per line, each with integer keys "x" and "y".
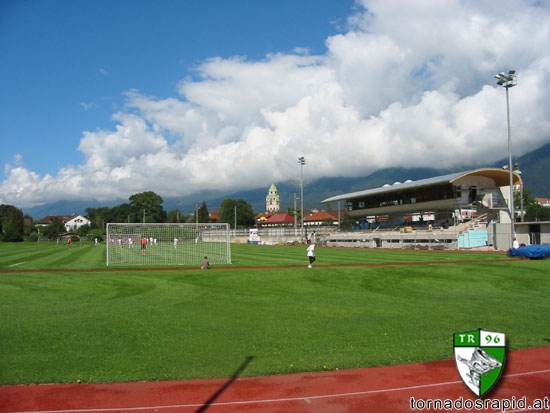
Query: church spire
{"x": 272, "y": 200}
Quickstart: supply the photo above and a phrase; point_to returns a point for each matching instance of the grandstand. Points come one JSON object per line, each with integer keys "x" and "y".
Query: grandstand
{"x": 454, "y": 211}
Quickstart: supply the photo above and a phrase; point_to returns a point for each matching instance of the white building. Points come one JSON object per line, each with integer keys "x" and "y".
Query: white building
{"x": 71, "y": 222}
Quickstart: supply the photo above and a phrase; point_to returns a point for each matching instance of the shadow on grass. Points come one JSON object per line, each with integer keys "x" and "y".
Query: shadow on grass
{"x": 218, "y": 393}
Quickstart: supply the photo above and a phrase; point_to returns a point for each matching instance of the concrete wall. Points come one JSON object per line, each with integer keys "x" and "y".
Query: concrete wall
{"x": 533, "y": 232}
{"x": 526, "y": 233}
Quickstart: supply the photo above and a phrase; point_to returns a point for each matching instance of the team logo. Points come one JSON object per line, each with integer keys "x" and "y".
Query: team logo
{"x": 479, "y": 357}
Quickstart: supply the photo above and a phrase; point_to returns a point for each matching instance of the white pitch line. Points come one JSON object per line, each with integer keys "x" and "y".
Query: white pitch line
{"x": 264, "y": 401}
{"x": 19, "y": 263}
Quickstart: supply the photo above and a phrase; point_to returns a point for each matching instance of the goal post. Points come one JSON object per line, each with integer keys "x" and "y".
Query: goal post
{"x": 167, "y": 244}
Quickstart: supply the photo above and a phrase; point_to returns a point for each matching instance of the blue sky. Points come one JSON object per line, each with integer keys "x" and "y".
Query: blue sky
{"x": 67, "y": 63}
{"x": 103, "y": 99}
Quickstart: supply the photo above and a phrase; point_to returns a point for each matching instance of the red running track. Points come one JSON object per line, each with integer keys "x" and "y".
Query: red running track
{"x": 380, "y": 389}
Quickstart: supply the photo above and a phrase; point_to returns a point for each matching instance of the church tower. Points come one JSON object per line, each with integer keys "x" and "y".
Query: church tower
{"x": 272, "y": 201}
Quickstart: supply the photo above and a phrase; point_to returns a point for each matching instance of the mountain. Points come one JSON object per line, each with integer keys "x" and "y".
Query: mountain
{"x": 68, "y": 207}
{"x": 534, "y": 169}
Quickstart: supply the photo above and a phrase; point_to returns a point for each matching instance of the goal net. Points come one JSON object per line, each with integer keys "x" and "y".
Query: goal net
{"x": 167, "y": 244}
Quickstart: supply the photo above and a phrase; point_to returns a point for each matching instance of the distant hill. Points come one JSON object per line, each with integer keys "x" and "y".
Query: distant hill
{"x": 534, "y": 167}
{"x": 68, "y": 207}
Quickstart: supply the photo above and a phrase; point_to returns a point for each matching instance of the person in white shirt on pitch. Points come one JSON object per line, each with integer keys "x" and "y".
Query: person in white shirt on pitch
{"x": 311, "y": 254}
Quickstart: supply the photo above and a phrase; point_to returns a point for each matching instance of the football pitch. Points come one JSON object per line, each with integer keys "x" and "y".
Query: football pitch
{"x": 67, "y": 317}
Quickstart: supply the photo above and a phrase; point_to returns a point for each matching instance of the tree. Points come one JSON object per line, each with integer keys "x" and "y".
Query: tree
{"x": 53, "y": 229}
{"x": 99, "y": 217}
{"x": 11, "y": 223}
{"x": 239, "y": 209}
{"x": 531, "y": 208}
{"x": 124, "y": 213}
{"x": 297, "y": 213}
{"x": 29, "y": 228}
{"x": 537, "y": 212}
{"x": 146, "y": 207}
{"x": 245, "y": 213}
{"x": 202, "y": 213}
{"x": 5, "y": 211}
{"x": 175, "y": 216}
{"x": 83, "y": 231}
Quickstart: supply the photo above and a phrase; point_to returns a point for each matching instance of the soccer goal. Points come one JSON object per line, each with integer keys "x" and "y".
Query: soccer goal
{"x": 167, "y": 244}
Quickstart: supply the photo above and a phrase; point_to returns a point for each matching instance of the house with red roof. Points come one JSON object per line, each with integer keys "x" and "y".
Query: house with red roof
{"x": 278, "y": 220}
{"x": 320, "y": 218}
{"x": 213, "y": 215}
{"x": 261, "y": 218}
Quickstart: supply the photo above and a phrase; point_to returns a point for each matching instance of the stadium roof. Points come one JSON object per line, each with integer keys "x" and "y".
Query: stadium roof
{"x": 501, "y": 177}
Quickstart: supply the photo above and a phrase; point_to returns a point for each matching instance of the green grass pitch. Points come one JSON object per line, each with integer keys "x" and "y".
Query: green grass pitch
{"x": 67, "y": 317}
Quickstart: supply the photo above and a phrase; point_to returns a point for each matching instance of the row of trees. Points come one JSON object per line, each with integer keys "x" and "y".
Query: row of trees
{"x": 146, "y": 207}
{"x": 143, "y": 207}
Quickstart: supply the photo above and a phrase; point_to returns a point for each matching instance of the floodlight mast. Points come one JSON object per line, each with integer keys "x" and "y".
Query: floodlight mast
{"x": 507, "y": 81}
{"x": 302, "y": 162}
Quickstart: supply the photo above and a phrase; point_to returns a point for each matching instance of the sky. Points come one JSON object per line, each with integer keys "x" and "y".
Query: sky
{"x": 103, "y": 99}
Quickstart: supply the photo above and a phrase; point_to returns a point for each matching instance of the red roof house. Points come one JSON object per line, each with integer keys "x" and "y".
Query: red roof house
{"x": 279, "y": 220}
{"x": 213, "y": 215}
{"x": 320, "y": 218}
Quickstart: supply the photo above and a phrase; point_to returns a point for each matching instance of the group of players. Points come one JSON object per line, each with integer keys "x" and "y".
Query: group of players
{"x": 144, "y": 242}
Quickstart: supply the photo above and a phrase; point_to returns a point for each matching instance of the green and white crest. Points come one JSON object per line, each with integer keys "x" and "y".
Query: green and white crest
{"x": 479, "y": 357}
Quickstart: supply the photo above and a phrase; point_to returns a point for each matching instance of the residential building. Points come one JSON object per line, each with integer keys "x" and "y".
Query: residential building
{"x": 71, "y": 222}
{"x": 320, "y": 218}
